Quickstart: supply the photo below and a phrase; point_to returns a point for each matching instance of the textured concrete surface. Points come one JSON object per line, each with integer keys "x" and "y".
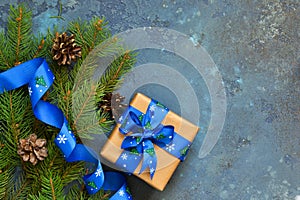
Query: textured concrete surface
{"x": 255, "y": 45}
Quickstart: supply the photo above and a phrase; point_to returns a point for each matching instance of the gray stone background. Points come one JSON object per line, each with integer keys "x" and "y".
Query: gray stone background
{"x": 255, "y": 45}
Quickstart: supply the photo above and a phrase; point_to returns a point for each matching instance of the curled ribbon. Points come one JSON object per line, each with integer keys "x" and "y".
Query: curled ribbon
{"x": 145, "y": 130}
{"x": 37, "y": 74}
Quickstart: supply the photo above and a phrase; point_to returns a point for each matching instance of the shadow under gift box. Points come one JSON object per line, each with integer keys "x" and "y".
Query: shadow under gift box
{"x": 166, "y": 163}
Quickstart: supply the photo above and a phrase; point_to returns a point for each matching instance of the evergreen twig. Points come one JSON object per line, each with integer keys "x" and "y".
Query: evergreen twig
{"x": 53, "y": 178}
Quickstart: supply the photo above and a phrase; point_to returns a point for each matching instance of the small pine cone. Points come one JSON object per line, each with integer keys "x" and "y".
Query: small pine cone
{"x": 117, "y": 101}
{"x": 64, "y": 49}
{"x": 113, "y": 103}
{"x": 117, "y": 105}
{"x": 32, "y": 149}
{"x": 105, "y": 104}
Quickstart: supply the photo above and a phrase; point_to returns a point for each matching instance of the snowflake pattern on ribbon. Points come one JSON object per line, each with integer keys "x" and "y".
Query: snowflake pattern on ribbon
{"x": 121, "y": 193}
{"x": 170, "y": 147}
{"x": 124, "y": 156}
{"x": 98, "y": 172}
{"x": 152, "y": 108}
{"x": 30, "y": 91}
{"x": 152, "y": 170}
{"x": 62, "y": 139}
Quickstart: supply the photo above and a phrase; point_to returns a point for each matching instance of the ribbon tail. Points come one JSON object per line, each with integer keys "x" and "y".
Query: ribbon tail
{"x": 149, "y": 158}
{"x": 116, "y": 182}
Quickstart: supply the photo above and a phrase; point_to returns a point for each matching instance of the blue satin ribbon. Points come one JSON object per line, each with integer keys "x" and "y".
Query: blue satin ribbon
{"x": 37, "y": 74}
{"x": 142, "y": 131}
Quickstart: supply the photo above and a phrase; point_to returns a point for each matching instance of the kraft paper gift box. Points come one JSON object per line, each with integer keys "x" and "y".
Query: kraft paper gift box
{"x": 130, "y": 150}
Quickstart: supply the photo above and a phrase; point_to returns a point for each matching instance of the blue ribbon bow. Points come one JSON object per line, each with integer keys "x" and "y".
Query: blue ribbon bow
{"x": 145, "y": 130}
{"x": 37, "y": 74}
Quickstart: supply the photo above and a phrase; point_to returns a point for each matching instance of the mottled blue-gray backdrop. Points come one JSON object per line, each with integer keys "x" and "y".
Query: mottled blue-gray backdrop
{"x": 255, "y": 45}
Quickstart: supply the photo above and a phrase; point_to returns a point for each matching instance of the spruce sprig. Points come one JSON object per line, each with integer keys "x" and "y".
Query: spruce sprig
{"x": 19, "y": 35}
{"x": 18, "y": 179}
{"x": 53, "y": 178}
{"x": 15, "y": 120}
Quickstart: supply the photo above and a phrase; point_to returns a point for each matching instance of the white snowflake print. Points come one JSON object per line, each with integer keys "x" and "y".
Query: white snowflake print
{"x": 170, "y": 147}
{"x": 98, "y": 172}
{"x": 152, "y": 108}
{"x": 152, "y": 170}
{"x": 121, "y": 118}
{"x": 62, "y": 139}
{"x": 121, "y": 193}
{"x": 124, "y": 156}
{"x": 30, "y": 91}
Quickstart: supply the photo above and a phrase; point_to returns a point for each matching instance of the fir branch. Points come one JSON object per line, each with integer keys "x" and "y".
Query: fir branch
{"x": 51, "y": 182}
{"x": 4, "y": 65}
{"x": 113, "y": 75}
{"x": 62, "y": 91}
{"x": 107, "y": 49}
{"x": 19, "y": 22}
{"x": 52, "y": 189}
{"x": 53, "y": 178}
{"x": 40, "y": 47}
{"x": 75, "y": 28}
{"x": 19, "y": 35}
{"x": 86, "y": 120}
{"x": 22, "y": 190}
{"x": 124, "y": 66}
{"x": 82, "y": 105}
{"x": 101, "y": 195}
{"x": 4, "y": 177}
{"x": 89, "y": 34}
{"x": 84, "y": 96}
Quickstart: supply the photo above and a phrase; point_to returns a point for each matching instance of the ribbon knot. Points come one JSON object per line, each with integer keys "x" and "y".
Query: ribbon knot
{"x": 143, "y": 131}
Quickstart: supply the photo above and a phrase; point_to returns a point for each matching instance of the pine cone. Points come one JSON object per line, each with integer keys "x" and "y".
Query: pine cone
{"x": 32, "y": 149}
{"x": 113, "y": 103}
{"x": 64, "y": 49}
{"x": 117, "y": 105}
{"x": 105, "y": 104}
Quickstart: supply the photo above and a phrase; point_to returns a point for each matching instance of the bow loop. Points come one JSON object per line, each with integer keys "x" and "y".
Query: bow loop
{"x": 164, "y": 136}
{"x": 131, "y": 142}
{"x": 136, "y": 119}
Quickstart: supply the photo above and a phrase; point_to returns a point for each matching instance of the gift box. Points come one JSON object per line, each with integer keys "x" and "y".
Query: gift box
{"x": 149, "y": 141}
